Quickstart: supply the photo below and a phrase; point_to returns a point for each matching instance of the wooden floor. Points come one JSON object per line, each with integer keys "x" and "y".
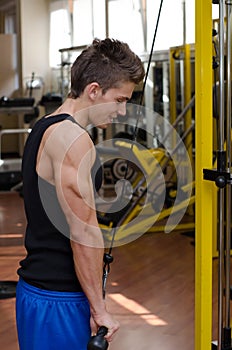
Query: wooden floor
{"x": 150, "y": 287}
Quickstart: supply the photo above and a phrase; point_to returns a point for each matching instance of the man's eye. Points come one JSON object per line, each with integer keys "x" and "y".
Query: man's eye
{"x": 120, "y": 101}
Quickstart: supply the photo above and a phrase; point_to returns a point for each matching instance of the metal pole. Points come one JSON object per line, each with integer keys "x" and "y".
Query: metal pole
{"x": 221, "y": 167}
{"x": 220, "y": 267}
{"x": 184, "y": 21}
{"x": 143, "y": 12}
{"x": 107, "y": 17}
{"x": 228, "y": 87}
{"x": 227, "y": 333}
{"x": 221, "y": 76}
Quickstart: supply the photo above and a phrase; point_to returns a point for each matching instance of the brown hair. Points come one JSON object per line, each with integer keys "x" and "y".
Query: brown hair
{"x": 107, "y": 62}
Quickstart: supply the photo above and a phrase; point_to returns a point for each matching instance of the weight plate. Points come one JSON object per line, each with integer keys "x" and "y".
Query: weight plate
{"x": 7, "y": 289}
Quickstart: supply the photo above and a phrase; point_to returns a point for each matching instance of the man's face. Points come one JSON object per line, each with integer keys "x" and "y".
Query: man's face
{"x": 112, "y": 104}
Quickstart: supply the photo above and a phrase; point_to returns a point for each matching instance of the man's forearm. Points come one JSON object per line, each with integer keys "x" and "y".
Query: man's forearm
{"x": 88, "y": 265}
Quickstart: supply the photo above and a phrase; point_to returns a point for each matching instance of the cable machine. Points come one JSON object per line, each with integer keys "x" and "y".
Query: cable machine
{"x": 222, "y": 177}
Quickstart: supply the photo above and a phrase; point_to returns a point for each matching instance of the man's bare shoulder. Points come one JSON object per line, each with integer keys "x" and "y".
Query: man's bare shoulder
{"x": 65, "y": 136}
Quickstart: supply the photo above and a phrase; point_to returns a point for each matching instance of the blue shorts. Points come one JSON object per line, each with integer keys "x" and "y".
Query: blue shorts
{"x": 48, "y": 320}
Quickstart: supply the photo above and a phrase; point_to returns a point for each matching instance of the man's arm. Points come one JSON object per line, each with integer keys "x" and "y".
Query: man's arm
{"x": 75, "y": 192}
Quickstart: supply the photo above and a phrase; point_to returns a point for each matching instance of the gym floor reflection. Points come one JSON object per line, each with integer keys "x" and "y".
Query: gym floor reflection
{"x": 150, "y": 289}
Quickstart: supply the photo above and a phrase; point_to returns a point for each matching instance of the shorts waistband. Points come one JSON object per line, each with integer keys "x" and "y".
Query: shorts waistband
{"x": 50, "y": 294}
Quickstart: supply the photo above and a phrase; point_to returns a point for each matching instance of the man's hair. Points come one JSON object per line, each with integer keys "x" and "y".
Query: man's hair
{"x": 107, "y": 62}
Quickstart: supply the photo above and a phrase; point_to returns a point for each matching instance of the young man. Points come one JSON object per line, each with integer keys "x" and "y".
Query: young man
{"x": 59, "y": 298}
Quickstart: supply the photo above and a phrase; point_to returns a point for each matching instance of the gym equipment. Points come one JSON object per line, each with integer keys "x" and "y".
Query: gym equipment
{"x": 222, "y": 177}
{"x": 65, "y": 65}
{"x": 7, "y": 289}
{"x": 6, "y": 102}
{"x": 98, "y": 342}
{"x": 50, "y": 102}
{"x": 119, "y": 226}
{"x": 10, "y": 168}
{"x": 145, "y": 197}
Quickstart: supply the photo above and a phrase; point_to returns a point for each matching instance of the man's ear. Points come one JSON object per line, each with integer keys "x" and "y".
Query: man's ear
{"x": 93, "y": 90}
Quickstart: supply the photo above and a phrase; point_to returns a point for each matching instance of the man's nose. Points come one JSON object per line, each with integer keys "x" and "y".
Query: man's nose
{"x": 122, "y": 109}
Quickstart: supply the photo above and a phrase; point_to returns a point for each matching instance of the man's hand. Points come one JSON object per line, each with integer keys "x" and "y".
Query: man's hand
{"x": 106, "y": 320}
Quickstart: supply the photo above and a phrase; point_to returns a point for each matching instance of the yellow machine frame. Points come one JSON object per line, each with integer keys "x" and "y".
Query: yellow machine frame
{"x": 205, "y": 190}
{"x": 160, "y": 218}
{"x": 150, "y": 161}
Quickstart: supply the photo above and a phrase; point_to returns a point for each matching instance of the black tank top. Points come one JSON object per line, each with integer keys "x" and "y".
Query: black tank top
{"x": 49, "y": 261}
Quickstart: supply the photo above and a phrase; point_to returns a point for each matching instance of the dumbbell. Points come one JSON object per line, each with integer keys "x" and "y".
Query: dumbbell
{"x": 98, "y": 342}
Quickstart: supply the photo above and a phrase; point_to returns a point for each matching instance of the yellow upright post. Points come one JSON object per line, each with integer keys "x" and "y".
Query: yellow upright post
{"x": 204, "y": 189}
{"x": 187, "y": 98}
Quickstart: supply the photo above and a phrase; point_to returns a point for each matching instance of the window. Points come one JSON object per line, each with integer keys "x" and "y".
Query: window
{"x": 125, "y": 23}
{"x": 60, "y": 30}
{"x": 88, "y": 21}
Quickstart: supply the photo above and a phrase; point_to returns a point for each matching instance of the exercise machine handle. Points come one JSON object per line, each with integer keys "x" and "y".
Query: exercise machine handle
{"x": 98, "y": 342}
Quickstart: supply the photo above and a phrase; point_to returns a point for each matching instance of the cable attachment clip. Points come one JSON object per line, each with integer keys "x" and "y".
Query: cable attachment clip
{"x": 108, "y": 259}
{"x": 220, "y": 176}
